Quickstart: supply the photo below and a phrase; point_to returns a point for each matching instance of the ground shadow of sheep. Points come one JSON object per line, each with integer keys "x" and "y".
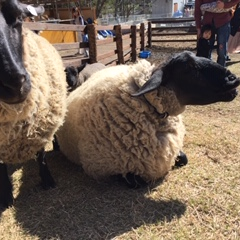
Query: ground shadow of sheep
{"x": 81, "y": 208}
{"x": 231, "y": 63}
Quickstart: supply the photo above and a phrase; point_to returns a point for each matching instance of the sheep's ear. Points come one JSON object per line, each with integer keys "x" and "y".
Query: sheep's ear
{"x": 81, "y": 67}
{"x": 30, "y": 10}
{"x": 153, "y": 83}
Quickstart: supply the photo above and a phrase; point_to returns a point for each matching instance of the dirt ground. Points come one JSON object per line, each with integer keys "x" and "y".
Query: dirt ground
{"x": 164, "y": 50}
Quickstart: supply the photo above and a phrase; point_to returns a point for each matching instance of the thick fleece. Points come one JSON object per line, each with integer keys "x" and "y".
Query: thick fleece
{"x": 108, "y": 131}
{"x": 27, "y": 127}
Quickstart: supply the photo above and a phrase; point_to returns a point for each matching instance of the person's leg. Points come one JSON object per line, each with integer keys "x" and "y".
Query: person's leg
{"x": 212, "y": 42}
{"x": 222, "y": 39}
{"x": 80, "y": 39}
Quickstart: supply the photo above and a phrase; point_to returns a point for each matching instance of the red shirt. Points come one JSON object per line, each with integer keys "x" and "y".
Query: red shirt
{"x": 219, "y": 19}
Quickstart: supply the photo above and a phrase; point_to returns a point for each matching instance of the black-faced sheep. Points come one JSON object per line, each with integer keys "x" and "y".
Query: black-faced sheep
{"x": 33, "y": 94}
{"x": 76, "y": 76}
{"x": 72, "y": 76}
{"x": 127, "y": 119}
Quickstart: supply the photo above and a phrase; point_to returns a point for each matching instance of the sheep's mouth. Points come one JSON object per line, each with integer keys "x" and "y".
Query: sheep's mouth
{"x": 229, "y": 95}
{"x": 230, "y": 91}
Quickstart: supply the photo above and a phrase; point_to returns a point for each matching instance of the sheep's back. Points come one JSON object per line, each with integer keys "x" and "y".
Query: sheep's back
{"x": 109, "y": 132}
{"x": 88, "y": 71}
{"x": 29, "y": 126}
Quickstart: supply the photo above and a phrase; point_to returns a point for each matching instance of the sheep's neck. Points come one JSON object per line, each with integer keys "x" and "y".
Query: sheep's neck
{"x": 164, "y": 102}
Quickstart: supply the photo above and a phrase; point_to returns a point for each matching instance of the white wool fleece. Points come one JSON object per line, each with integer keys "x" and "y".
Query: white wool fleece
{"x": 108, "y": 131}
{"x": 27, "y": 127}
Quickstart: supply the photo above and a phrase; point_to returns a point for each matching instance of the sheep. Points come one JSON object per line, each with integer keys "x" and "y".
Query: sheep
{"x": 72, "y": 73}
{"x": 33, "y": 93}
{"x": 76, "y": 76}
{"x": 127, "y": 119}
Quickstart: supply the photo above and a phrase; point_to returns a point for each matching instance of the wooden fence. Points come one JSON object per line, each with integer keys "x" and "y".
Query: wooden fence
{"x": 169, "y": 30}
{"x": 124, "y": 46}
{"x": 127, "y": 42}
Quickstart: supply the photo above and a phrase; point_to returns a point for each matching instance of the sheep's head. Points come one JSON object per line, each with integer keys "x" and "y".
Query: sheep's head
{"x": 15, "y": 83}
{"x": 194, "y": 80}
{"x": 71, "y": 76}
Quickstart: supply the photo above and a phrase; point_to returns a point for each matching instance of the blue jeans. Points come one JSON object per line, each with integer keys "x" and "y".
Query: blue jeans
{"x": 222, "y": 35}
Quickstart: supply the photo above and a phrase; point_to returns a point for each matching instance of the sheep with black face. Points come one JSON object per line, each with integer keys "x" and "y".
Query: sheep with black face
{"x": 127, "y": 119}
{"x": 76, "y": 76}
{"x": 33, "y": 94}
{"x": 72, "y": 76}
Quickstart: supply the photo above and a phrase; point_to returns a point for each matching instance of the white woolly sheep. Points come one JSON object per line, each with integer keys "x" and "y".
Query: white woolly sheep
{"x": 76, "y": 76}
{"x": 127, "y": 119}
{"x": 33, "y": 94}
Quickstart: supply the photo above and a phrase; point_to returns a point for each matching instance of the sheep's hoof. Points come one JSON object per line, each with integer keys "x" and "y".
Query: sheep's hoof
{"x": 181, "y": 160}
{"x": 6, "y": 196}
{"x": 132, "y": 180}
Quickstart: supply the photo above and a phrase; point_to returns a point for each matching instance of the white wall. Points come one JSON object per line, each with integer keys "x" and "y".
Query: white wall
{"x": 162, "y": 8}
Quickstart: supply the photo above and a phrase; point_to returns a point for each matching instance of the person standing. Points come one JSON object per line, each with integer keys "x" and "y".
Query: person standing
{"x": 234, "y": 39}
{"x": 78, "y": 20}
{"x": 203, "y": 44}
{"x": 220, "y": 22}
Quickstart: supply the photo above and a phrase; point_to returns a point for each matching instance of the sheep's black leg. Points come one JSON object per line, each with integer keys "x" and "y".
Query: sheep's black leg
{"x": 6, "y": 196}
{"x": 46, "y": 179}
{"x": 132, "y": 180}
{"x": 55, "y": 144}
{"x": 181, "y": 160}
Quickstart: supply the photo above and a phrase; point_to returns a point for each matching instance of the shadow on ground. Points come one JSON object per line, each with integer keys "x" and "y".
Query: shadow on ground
{"x": 81, "y": 208}
{"x": 231, "y": 63}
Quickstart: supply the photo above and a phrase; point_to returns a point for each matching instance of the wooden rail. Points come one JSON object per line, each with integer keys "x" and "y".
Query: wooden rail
{"x": 168, "y": 29}
{"x": 124, "y": 46}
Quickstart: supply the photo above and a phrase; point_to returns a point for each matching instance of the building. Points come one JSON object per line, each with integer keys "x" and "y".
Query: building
{"x": 167, "y": 8}
{"x": 61, "y": 10}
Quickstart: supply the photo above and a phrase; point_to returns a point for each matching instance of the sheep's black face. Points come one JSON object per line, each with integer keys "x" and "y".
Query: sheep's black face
{"x": 15, "y": 83}
{"x": 71, "y": 76}
{"x": 199, "y": 81}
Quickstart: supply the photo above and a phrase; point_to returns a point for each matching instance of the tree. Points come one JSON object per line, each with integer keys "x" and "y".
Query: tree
{"x": 123, "y": 8}
{"x": 99, "y": 6}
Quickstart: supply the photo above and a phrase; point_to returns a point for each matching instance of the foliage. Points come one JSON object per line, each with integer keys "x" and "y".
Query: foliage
{"x": 123, "y": 8}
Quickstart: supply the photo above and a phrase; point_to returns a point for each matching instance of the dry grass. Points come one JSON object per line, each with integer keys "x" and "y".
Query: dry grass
{"x": 199, "y": 201}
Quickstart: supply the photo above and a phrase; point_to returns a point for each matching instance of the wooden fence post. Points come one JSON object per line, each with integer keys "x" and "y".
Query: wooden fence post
{"x": 119, "y": 43}
{"x": 149, "y": 34}
{"x": 133, "y": 43}
{"x": 92, "y": 40}
{"x": 142, "y": 36}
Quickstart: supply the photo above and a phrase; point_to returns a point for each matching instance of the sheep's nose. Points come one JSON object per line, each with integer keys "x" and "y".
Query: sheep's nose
{"x": 232, "y": 81}
{"x": 15, "y": 88}
{"x": 232, "y": 77}
{"x": 15, "y": 81}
